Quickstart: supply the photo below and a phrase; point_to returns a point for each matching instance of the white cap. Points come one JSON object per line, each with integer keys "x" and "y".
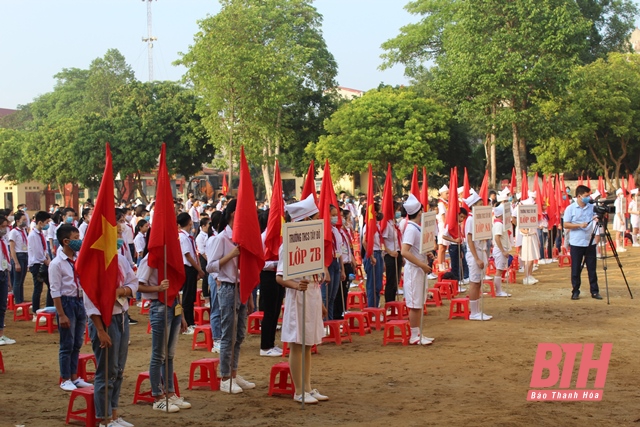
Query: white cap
{"x": 618, "y": 191}
{"x": 412, "y": 205}
{"x": 529, "y": 201}
{"x": 460, "y": 189}
{"x": 302, "y": 209}
{"x": 443, "y": 189}
{"x": 518, "y": 196}
{"x": 472, "y": 199}
{"x": 498, "y": 210}
{"x": 503, "y": 196}
{"x": 532, "y": 194}
{"x": 595, "y": 195}
{"x": 634, "y": 191}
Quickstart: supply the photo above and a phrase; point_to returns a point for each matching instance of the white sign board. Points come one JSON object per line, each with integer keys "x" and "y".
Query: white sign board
{"x": 506, "y": 217}
{"x": 303, "y": 249}
{"x": 429, "y": 225}
{"x": 527, "y": 216}
{"x": 482, "y": 223}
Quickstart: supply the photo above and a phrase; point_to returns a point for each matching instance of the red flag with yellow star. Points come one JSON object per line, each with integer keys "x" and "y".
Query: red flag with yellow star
{"x": 225, "y": 186}
{"x": 273, "y": 236}
{"x": 97, "y": 263}
{"x": 164, "y": 233}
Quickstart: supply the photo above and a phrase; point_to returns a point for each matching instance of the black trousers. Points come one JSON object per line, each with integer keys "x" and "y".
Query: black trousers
{"x": 341, "y": 298}
{"x": 205, "y": 279}
{"x": 271, "y": 296}
{"x": 394, "y": 271}
{"x": 578, "y": 255}
{"x": 189, "y": 289}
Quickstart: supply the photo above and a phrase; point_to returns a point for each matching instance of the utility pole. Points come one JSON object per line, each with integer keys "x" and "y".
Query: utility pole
{"x": 149, "y": 39}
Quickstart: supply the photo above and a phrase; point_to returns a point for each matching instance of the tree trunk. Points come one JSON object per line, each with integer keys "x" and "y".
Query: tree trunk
{"x": 516, "y": 154}
{"x": 143, "y": 195}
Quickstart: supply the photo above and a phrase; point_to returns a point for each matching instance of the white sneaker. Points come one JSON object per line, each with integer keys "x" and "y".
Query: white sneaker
{"x": 461, "y": 289}
{"x": 216, "y": 346}
{"x": 272, "y": 352}
{"x": 431, "y": 276}
{"x": 139, "y": 304}
{"x": 81, "y": 383}
{"x": 161, "y": 405}
{"x": 621, "y": 250}
{"x": 5, "y": 340}
{"x": 122, "y": 423}
{"x": 521, "y": 270}
{"x": 244, "y": 384}
{"x": 33, "y": 319}
{"x": 308, "y": 398}
{"x": 179, "y": 402}
{"x": 488, "y": 278}
{"x": 235, "y": 388}
{"x": 111, "y": 424}
{"x": 503, "y": 294}
{"x": 465, "y": 281}
{"x": 636, "y": 245}
{"x": 68, "y": 385}
{"x": 147, "y": 304}
{"x": 420, "y": 341}
{"x": 480, "y": 316}
{"x": 277, "y": 349}
{"x": 528, "y": 281}
{"x": 189, "y": 331}
{"x": 533, "y": 280}
{"x": 316, "y": 395}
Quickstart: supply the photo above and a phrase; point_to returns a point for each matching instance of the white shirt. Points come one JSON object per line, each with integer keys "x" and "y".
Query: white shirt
{"x": 376, "y": 238}
{"x": 208, "y": 249}
{"x": 390, "y": 237}
{"x": 5, "y": 261}
{"x": 147, "y": 276}
{"x": 187, "y": 246}
{"x": 127, "y": 234}
{"x": 442, "y": 213}
{"x": 130, "y": 281}
{"x": 345, "y": 247}
{"x": 222, "y": 245}
{"x": 51, "y": 232}
{"x": 63, "y": 280}
{"x": 194, "y": 214}
{"x": 139, "y": 243}
{"x": 19, "y": 237}
{"x": 480, "y": 245}
{"x": 201, "y": 242}
{"x": 125, "y": 252}
{"x": 82, "y": 229}
{"x": 37, "y": 249}
{"x": 499, "y": 232}
{"x": 412, "y": 236}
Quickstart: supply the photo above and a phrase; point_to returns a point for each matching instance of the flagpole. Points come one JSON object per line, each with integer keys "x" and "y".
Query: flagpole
{"x": 106, "y": 388}
{"x": 304, "y": 342}
{"x": 422, "y": 299}
{"x": 234, "y": 329}
{"x": 166, "y": 336}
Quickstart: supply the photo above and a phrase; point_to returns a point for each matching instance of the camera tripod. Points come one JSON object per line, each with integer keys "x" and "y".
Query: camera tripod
{"x": 605, "y": 239}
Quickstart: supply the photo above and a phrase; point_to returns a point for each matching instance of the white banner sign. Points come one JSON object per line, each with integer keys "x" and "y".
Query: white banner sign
{"x": 528, "y": 216}
{"x": 303, "y": 250}
{"x": 482, "y": 223}
{"x": 506, "y": 217}
{"x": 429, "y": 231}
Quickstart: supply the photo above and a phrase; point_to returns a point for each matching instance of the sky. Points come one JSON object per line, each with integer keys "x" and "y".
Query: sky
{"x": 38, "y": 38}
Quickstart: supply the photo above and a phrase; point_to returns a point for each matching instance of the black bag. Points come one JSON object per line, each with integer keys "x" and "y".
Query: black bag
{"x": 43, "y": 273}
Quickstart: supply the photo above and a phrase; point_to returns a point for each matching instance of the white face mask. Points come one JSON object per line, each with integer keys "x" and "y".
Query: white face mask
{"x": 128, "y": 218}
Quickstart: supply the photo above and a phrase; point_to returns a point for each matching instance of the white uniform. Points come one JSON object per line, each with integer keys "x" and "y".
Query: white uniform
{"x": 499, "y": 232}
{"x": 291, "y": 324}
{"x": 618, "y": 223}
{"x": 441, "y": 218}
{"x": 414, "y": 277}
{"x": 635, "y": 218}
{"x": 475, "y": 273}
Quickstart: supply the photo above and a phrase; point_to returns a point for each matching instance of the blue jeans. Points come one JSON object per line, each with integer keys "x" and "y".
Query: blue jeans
{"x": 71, "y": 338}
{"x": 227, "y": 296}
{"x": 118, "y": 331}
{"x": 19, "y": 276}
{"x": 331, "y": 287}
{"x": 158, "y": 355}
{"x": 214, "y": 313}
{"x": 4, "y": 291}
{"x": 373, "y": 291}
{"x": 455, "y": 262}
{"x": 37, "y": 290}
{"x": 542, "y": 238}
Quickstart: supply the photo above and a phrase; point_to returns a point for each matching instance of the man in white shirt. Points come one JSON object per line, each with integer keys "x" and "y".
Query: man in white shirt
{"x": 192, "y": 269}
{"x": 477, "y": 261}
{"x": 501, "y": 247}
{"x": 5, "y": 269}
{"x": 39, "y": 259}
{"x": 18, "y": 244}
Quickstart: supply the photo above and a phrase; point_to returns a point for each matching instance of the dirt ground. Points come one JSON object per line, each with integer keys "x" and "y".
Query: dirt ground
{"x": 476, "y": 373}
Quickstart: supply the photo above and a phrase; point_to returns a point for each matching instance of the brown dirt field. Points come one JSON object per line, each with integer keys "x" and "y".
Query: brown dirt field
{"x": 476, "y": 373}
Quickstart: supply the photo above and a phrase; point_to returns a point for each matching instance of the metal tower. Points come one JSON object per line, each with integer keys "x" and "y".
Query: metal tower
{"x": 149, "y": 39}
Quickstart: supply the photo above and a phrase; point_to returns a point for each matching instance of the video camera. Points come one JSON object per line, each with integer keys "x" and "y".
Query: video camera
{"x": 603, "y": 206}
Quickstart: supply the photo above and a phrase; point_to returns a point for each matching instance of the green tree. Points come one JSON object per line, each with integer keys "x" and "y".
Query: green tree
{"x": 385, "y": 125}
{"x": 251, "y": 64}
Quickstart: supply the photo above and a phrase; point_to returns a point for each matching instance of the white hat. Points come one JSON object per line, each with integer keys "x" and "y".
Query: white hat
{"x": 532, "y": 194}
{"x": 498, "y": 210}
{"x": 503, "y": 196}
{"x": 518, "y": 196}
{"x": 618, "y": 191}
{"x": 412, "y": 205}
{"x": 460, "y": 189}
{"x": 472, "y": 199}
{"x": 443, "y": 189}
{"x": 529, "y": 201}
{"x": 595, "y": 195}
{"x": 302, "y": 209}
{"x": 634, "y": 191}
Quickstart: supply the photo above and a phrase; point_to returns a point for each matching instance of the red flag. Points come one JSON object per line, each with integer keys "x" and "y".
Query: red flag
{"x": 589, "y": 182}
{"x": 225, "y": 186}
{"x": 514, "y": 183}
{"x": 536, "y": 188}
{"x": 424, "y": 193}
{"x": 484, "y": 189}
{"x": 524, "y": 187}
{"x": 326, "y": 190}
{"x": 632, "y": 182}
{"x": 97, "y": 263}
{"x": 453, "y": 210}
{"x": 580, "y": 180}
{"x": 273, "y": 237}
{"x": 246, "y": 233}
{"x": 552, "y": 210}
{"x": 388, "y": 213}
{"x": 165, "y": 234}
{"x": 623, "y": 186}
{"x": 466, "y": 188}
{"x": 370, "y": 220}
{"x": 601, "y": 187}
{"x": 310, "y": 184}
{"x": 415, "y": 189}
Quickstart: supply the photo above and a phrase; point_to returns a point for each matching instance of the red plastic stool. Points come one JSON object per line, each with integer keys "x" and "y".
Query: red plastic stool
{"x": 199, "y": 302}
{"x": 390, "y": 332}
{"x": 555, "y": 252}
{"x": 358, "y": 322}
{"x": 377, "y": 317}
{"x": 146, "y": 395}
{"x": 87, "y": 338}
{"x": 356, "y": 299}
{"x": 1, "y": 363}
{"x": 512, "y": 275}
{"x": 336, "y": 335}
{"x": 459, "y": 308}
{"x": 491, "y": 268}
{"x": 285, "y": 349}
{"x": 83, "y": 360}
{"x": 10, "y": 301}
{"x": 453, "y": 286}
{"x": 280, "y": 380}
{"x": 255, "y": 319}
{"x": 208, "y": 339}
{"x": 397, "y": 310}
{"x": 208, "y": 374}
{"x": 445, "y": 290}
{"x": 88, "y": 414}
{"x": 144, "y": 308}
{"x": 49, "y": 325}
{"x": 198, "y": 315}
{"x": 492, "y": 288}
{"x": 436, "y": 300}
{"x": 24, "y": 311}
{"x": 440, "y": 276}
{"x": 564, "y": 261}
{"x": 149, "y": 327}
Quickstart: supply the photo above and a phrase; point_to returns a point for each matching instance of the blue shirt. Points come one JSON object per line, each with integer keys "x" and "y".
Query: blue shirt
{"x": 577, "y": 215}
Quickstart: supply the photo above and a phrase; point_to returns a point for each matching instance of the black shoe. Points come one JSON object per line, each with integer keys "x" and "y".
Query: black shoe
{"x": 596, "y": 296}
{"x": 575, "y": 296}
{"x": 132, "y": 321}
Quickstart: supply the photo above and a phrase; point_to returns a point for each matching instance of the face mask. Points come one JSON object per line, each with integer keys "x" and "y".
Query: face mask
{"x": 128, "y": 218}
{"x": 23, "y": 224}
{"x": 147, "y": 218}
{"x": 120, "y": 243}
{"x": 3, "y": 232}
{"x": 564, "y": 197}
{"x": 511, "y": 199}
{"x": 46, "y": 227}
{"x": 24, "y": 209}
{"x": 398, "y": 215}
{"x": 334, "y": 220}
{"x": 69, "y": 220}
{"x": 75, "y": 245}
{"x": 11, "y": 218}
{"x": 568, "y": 191}
{"x": 586, "y": 200}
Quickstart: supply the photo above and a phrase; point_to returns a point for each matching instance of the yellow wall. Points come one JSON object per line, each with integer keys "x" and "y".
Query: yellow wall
{"x": 19, "y": 193}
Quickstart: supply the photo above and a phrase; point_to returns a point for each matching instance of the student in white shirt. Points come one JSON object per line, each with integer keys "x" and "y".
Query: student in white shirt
{"x": 477, "y": 261}
{"x": 373, "y": 263}
{"x": 214, "y": 313}
{"x": 201, "y": 246}
{"x": 634, "y": 217}
{"x": 39, "y": 259}
{"x": 84, "y": 221}
{"x": 140, "y": 241}
{"x": 192, "y": 269}
{"x": 5, "y": 270}
{"x": 194, "y": 213}
{"x": 501, "y": 247}
{"x": 392, "y": 258}
{"x": 52, "y": 238}
{"x": 18, "y": 245}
